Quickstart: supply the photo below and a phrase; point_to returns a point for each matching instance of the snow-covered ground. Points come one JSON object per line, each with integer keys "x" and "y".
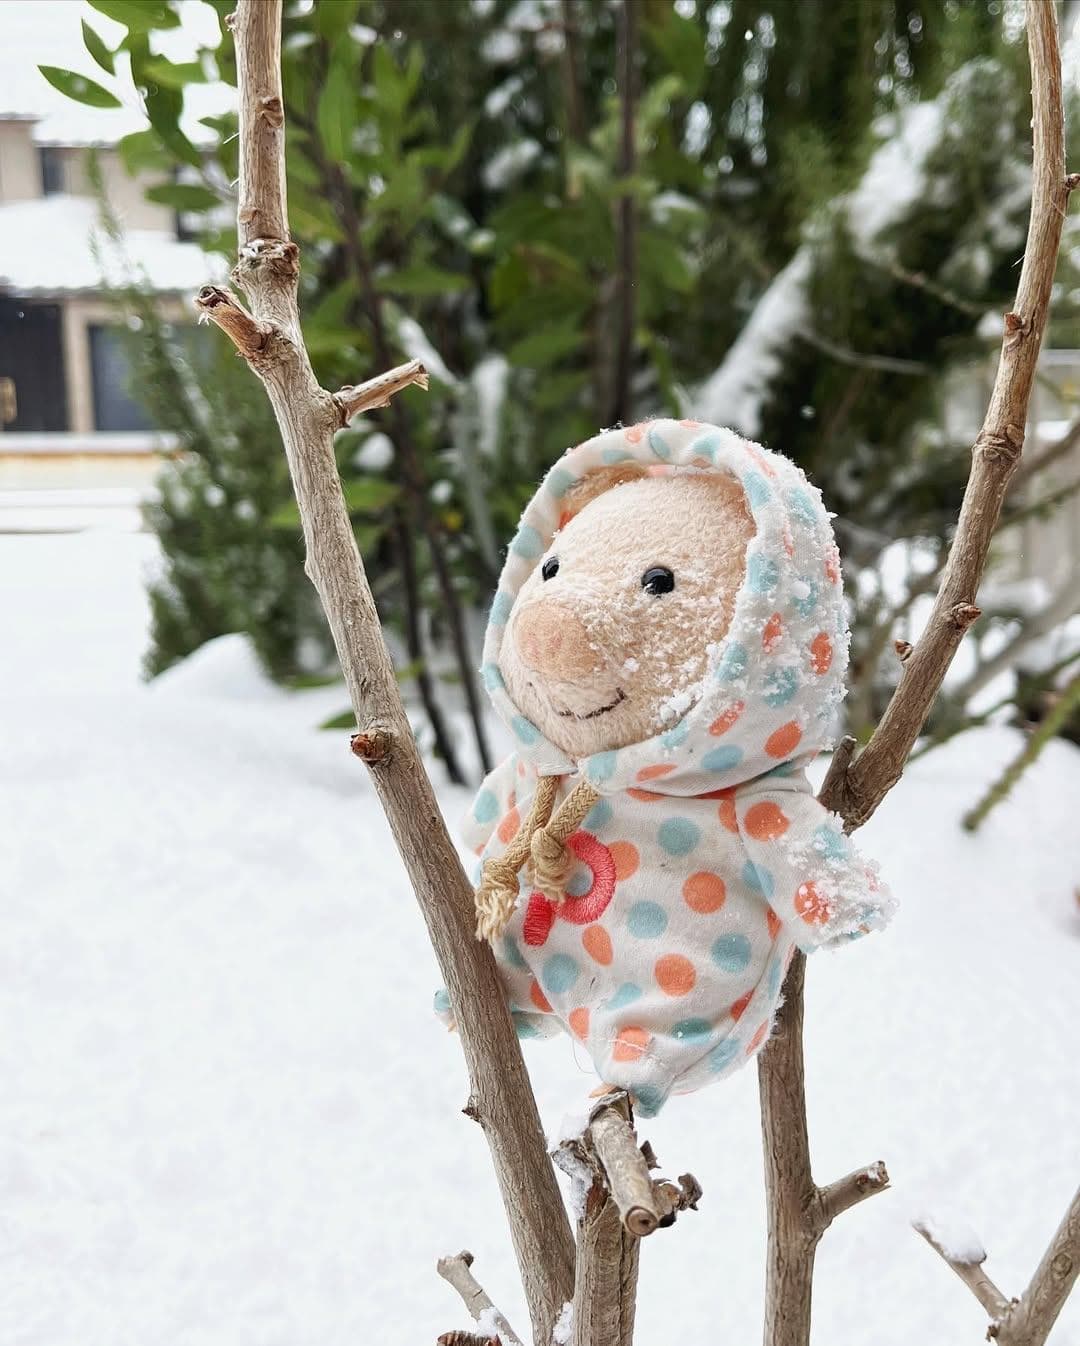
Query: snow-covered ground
{"x": 228, "y": 1117}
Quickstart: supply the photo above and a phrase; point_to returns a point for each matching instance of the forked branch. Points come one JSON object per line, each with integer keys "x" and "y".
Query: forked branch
{"x": 799, "y": 1211}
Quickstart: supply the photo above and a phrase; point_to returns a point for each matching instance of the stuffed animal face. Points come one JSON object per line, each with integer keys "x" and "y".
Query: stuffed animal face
{"x": 609, "y": 636}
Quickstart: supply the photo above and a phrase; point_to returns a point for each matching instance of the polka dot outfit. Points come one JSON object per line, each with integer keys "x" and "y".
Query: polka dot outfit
{"x": 707, "y": 860}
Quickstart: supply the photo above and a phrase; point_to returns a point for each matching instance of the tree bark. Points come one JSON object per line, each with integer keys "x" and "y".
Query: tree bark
{"x": 308, "y": 416}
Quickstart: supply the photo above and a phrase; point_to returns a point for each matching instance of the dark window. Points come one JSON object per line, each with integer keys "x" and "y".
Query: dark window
{"x": 114, "y": 407}
{"x": 32, "y": 356}
{"x": 53, "y": 174}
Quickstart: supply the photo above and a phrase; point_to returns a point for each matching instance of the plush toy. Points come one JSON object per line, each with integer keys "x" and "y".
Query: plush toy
{"x": 667, "y": 645}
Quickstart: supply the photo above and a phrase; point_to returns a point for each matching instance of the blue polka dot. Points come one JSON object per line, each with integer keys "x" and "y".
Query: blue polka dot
{"x": 525, "y": 729}
{"x": 646, "y": 920}
{"x": 780, "y": 686}
{"x": 775, "y": 973}
{"x": 601, "y": 766}
{"x": 493, "y": 679}
{"x": 579, "y": 882}
{"x": 830, "y": 843}
{"x": 648, "y": 1100}
{"x": 524, "y": 1026}
{"x": 611, "y": 456}
{"x": 692, "y": 1030}
{"x": 758, "y": 878}
{"x": 723, "y": 1054}
{"x": 806, "y": 602}
{"x": 731, "y": 953}
{"x": 442, "y": 1002}
{"x": 598, "y": 816}
{"x": 802, "y": 506}
{"x": 659, "y": 446}
{"x": 528, "y": 543}
{"x": 500, "y": 608}
{"x": 674, "y": 738}
{"x": 559, "y": 481}
{"x": 784, "y": 768}
{"x": 559, "y": 973}
{"x": 625, "y": 995}
{"x": 486, "y": 807}
{"x": 732, "y": 663}
{"x": 757, "y": 489}
{"x": 678, "y": 836}
{"x": 512, "y": 954}
{"x": 476, "y": 873}
{"x": 722, "y": 759}
{"x": 705, "y": 446}
{"x": 762, "y": 573}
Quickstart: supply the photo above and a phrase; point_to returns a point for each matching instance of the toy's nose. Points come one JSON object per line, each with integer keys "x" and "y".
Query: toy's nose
{"x": 554, "y": 643}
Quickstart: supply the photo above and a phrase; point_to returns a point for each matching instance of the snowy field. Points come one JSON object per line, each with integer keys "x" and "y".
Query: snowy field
{"x": 228, "y": 1117}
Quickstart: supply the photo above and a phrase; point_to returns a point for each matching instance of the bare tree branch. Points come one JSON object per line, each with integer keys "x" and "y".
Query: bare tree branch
{"x": 1026, "y": 1321}
{"x": 457, "y": 1271}
{"x": 855, "y": 786}
{"x": 997, "y": 448}
{"x": 378, "y": 391}
{"x": 308, "y": 417}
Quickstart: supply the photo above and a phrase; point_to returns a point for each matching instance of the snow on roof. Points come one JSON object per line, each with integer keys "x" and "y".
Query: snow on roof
{"x": 46, "y": 247}
{"x": 47, "y": 32}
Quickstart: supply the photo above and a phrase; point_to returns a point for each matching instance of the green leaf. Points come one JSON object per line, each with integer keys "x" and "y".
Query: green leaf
{"x": 681, "y": 43}
{"x": 422, "y": 279}
{"x": 183, "y": 196}
{"x": 142, "y": 150}
{"x": 337, "y": 111}
{"x": 78, "y": 87}
{"x": 369, "y": 495}
{"x": 138, "y": 15}
{"x": 332, "y": 17}
{"x": 176, "y": 75}
{"x": 164, "y": 107}
{"x": 547, "y": 344}
{"x": 95, "y": 45}
{"x": 346, "y": 719}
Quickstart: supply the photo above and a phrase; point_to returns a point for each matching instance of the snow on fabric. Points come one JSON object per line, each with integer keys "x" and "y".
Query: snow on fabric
{"x": 707, "y": 860}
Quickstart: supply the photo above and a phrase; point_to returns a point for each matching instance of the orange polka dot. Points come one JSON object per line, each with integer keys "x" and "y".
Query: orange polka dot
{"x": 675, "y": 974}
{"x": 727, "y": 718}
{"x": 773, "y": 921}
{"x": 832, "y": 564}
{"x": 774, "y": 629}
{"x": 646, "y": 796}
{"x": 765, "y": 821}
{"x": 626, "y": 858}
{"x": 565, "y": 517}
{"x": 811, "y": 904}
{"x": 704, "y": 892}
{"x": 539, "y": 999}
{"x": 636, "y": 433}
{"x": 784, "y": 742}
{"x": 597, "y": 944}
{"x": 821, "y": 653}
{"x": 507, "y": 829}
{"x": 789, "y": 543}
{"x": 759, "y": 1037}
{"x": 689, "y": 425}
{"x": 578, "y": 1020}
{"x": 655, "y": 772}
{"x": 727, "y": 814}
{"x": 739, "y": 1008}
{"x": 630, "y": 1044}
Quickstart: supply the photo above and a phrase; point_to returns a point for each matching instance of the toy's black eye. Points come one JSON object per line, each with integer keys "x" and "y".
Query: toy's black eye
{"x": 658, "y": 580}
{"x": 550, "y": 568}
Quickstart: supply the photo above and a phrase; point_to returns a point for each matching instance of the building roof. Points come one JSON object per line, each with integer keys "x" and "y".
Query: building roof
{"x": 47, "y": 247}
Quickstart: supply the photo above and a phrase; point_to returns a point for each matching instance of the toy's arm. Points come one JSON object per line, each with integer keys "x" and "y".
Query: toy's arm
{"x": 492, "y": 802}
{"x": 805, "y": 867}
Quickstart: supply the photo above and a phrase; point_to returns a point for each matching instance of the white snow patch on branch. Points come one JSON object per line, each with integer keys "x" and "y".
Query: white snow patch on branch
{"x": 951, "y": 1234}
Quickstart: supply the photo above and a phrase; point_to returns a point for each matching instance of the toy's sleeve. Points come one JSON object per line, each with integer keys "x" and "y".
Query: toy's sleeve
{"x": 493, "y": 801}
{"x": 804, "y": 866}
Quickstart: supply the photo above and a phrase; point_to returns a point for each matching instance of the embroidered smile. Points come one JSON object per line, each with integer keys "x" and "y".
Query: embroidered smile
{"x": 620, "y": 697}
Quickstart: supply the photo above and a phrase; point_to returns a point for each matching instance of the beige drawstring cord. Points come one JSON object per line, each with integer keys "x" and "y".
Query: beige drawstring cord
{"x": 541, "y": 843}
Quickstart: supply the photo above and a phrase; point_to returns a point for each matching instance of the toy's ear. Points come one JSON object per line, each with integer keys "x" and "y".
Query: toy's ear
{"x": 596, "y": 483}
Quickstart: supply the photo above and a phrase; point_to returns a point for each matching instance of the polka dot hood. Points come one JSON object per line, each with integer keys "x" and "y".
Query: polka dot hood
{"x": 707, "y": 860}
